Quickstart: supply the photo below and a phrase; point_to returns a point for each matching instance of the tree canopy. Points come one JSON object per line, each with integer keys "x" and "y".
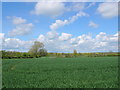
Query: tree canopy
{"x": 38, "y": 49}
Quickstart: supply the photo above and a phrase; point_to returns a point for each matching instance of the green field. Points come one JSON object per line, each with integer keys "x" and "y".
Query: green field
{"x": 46, "y": 72}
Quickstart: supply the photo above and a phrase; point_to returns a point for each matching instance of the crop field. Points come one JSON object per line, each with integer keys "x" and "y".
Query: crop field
{"x": 46, "y": 72}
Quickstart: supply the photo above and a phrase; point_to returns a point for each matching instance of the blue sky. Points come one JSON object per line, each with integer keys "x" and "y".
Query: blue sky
{"x": 40, "y": 16}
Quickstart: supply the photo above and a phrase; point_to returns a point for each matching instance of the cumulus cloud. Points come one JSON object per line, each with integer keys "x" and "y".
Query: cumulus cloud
{"x": 15, "y": 44}
{"x": 65, "y": 36}
{"x": 41, "y": 38}
{"x": 90, "y": 5}
{"x": 74, "y": 41}
{"x": 102, "y": 36}
{"x": 52, "y": 9}
{"x": 55, "y": 42}
{"x": 93, "y": 24}
{"x": 52, "y": 34}
{"x": 1, "y": 36}
{"x": 55, "y": 9}
{"x": 108, "y": 10}
{"x": 76, "y": 6}
{"x": 106, "y": 42}
{"x": 83, "y": 43}
{"x": 18, "y": 20}
{"x": 1, "y": 39}
{"x": 86, "y": 43}
{"x": 66, "y": 43}
{"x": 21, "y": 27}
{"x": 59, "y": 23}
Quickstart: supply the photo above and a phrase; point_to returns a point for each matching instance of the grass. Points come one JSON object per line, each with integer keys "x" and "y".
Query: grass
{"x": 82, "y": 72}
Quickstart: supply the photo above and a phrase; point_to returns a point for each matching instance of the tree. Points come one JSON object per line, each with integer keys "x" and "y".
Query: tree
{"x": 37, "y": 49}
{"x": 75, "y": 52}
{"x": 42, "y": 52}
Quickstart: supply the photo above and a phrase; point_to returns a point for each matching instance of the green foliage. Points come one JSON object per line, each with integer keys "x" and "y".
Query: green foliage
{"x": 75, "y": 53}
{"x": 37, "y": 50}
{"x": 82, "y": 72}
{"x": 13, "y": 54}
{"x": 43, "y": 52}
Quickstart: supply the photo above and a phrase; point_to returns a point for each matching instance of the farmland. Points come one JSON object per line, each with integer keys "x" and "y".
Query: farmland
{"x": 46, "y": 72}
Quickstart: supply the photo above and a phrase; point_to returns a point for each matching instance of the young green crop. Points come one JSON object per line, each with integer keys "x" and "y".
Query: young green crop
{"x": 82, "y": 72}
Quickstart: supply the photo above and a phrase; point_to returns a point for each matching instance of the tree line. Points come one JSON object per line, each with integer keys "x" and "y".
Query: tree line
{"x": 38, "y": 50}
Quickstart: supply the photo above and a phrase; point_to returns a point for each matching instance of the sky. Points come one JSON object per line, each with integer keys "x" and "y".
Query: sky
{"x": 61, "y": 26}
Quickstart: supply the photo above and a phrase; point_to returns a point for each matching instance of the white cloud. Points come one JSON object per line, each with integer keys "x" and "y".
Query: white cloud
{"x": 1, "y": 39}
{"x": 79, "y": 14}
{"x": 52, "y": 9}
{"x": 74, "y": 41}
{"x": 55, "y": 9}
{"x": 52, "y": 34}
{"x": 102, "y": 36}
{"x": 76, "y": 6}
{"x": 106, "y": 42}
{"x": 65, "y": 36}
{"x": 108, "y": 10}
{"x": 22, "y": 29}
{"x": 93, "y": 24}
{"x": 83, "y": 43}
{"x": 59, "y": 23}
{"x": 90, "y": 5}
{"x": 41, "y": 38}
{"x": 16, "y": 44}
{"x": 65, "y": 43}
{"x": 18, "y": 20}
{"x": 61, "y": 0}
{"x": 1, "y": 36}
{"x": 84, "y": 37}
